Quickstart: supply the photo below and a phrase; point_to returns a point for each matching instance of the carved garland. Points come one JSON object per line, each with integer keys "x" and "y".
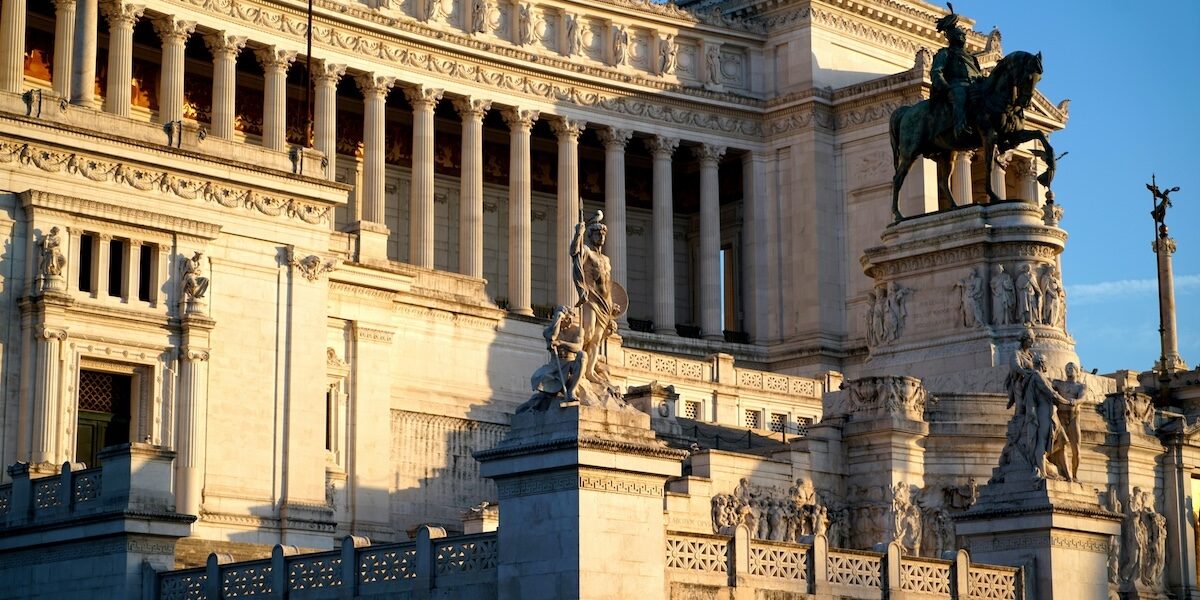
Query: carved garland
{"x": 146, "y": 179}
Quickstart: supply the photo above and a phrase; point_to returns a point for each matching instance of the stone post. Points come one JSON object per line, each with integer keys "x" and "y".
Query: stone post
{"x": 520, "y": 211}
{"x": 567, "y": 130}
{"x": 12, "y": 45}
{"x": 616, "y": 247}
{"x": 567, "y": 477}
{"x": 710, "y": 242}
{"x": 275, "y": 63}
{"x": 174, "y": 34}
{"x": 83, "y": 55}
{"x": 64, "y": 46}
{"x": 192, "y": 407}
{"x": 224, "y": 49}
{"x": 1170, "y": 360}
{"x": 470, "y": 204}
{"x": 760, "y": 243}
{"x": 371, "y": 371}
{"x": 664, "y": 234}
{"x": 372, "y": 239}
{"x": 325, "y": 80}
{"x": 961, "y": 181}
{"x": 121, "y": 19}
{"x": 421, "y": 221}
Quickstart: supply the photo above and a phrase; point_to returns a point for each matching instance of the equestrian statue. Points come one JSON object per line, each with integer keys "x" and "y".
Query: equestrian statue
{"x": 967, "y": 110}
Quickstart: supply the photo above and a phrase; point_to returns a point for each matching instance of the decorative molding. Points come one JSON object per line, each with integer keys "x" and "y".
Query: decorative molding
{"x": 126, "y": 218}
{"x": 312, "y": 267}
{"x": 367, "y": 334}
{"x": 147, "y": 179}
{"x": 583, "y": 480}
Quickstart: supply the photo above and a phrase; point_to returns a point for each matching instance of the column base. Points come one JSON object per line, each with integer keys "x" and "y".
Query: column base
{"x": 372, "y": 241}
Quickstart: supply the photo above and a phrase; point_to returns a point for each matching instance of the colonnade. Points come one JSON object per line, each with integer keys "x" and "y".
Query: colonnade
{"x": 75, "y": 51}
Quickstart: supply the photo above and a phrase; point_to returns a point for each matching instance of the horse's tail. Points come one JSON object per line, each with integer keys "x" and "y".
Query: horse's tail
{"x": 894, "y": 132}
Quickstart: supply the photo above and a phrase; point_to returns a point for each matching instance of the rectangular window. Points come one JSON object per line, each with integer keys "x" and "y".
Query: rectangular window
{"x": 691, "y": 409}
{"x": 753, "y": 419}
{"x": 778, "y": 422}
{"x": 145, "y": 272}
{"x": 87, "y": 252}
{"x": 116, "y": 267}
{"x": 802, "y": 424}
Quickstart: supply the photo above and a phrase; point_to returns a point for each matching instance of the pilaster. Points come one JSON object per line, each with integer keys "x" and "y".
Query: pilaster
{"x": 192, "y": 409}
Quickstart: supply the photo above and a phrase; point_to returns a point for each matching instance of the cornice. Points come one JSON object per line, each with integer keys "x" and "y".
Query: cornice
{"x": 120, "y": 214}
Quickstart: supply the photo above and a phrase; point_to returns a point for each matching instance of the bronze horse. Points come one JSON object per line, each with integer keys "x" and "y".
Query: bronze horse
{"x": 996, "y": 122}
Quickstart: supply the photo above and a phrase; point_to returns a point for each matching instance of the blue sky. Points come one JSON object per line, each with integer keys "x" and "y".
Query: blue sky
{"x": 1130, "y": 71}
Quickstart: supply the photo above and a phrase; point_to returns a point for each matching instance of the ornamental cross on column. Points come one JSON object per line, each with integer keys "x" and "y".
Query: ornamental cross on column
{"x": 1163, "y": 247}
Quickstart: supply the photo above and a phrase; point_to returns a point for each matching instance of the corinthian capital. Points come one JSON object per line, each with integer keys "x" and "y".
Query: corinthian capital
{"x": 328, "y": 73}
{"x": 223, "y": 45}
{"x": 662, "y": 146}
{"x": 273, "y": 58}
{"x": 708, "y": 153}
{"x": 611, "y": 136}
{"x": 423, "y": 97}
{"x": 121, "y": 13}
{"x": 519, "y": 118}
{"x": 171, "y": 29}
{"x": 374, "y": 85}
{"x": 566, "y": 127}
{"x": 471, "y": 108}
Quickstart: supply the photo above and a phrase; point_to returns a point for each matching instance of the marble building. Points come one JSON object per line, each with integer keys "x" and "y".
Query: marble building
{"x": 232, "y": 339}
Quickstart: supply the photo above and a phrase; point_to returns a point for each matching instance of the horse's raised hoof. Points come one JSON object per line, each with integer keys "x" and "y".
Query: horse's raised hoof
{"x": 896, "y": 216}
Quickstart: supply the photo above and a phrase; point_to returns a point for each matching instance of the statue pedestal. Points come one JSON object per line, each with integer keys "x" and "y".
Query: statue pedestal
{"x": 1055, "y": 529}
{"x": 581, "y": 504}
{"x": 922, "y": 322}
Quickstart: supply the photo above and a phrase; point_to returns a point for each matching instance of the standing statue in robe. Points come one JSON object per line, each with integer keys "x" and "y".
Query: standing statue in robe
{"x": 1003, "y": 293}
{"x": 1029, "y": 306}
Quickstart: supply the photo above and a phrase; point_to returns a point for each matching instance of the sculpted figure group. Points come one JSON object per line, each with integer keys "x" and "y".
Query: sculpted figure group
{"x": 886, "y": 313}
{"x": 1044, "y": 434}
{"x": 1144, "y": 541}
{"x": 1032, "y": 298}
{"x": 770, "y": 514}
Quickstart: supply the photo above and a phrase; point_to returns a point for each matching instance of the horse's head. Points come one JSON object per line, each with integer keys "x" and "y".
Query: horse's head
{"x": 1019, "y": 73}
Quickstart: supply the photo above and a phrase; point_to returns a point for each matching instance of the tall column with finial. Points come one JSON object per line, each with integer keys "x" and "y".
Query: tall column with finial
{"x": 614, "y": 141}
{"x": 709, "y": 156}
{"x": 64, "y": 46}
{"x": 520, "y": 211}
{"x": 470, "y": 203}
{"x": 275, "y": 63}
{"x": 174, "y": 33}
{"x": 325, "y": 81}
{"x": 421, "y": 222}
{"x": 121, "y": 19}
{"x": 567, "y": 130}
{"x": 663, "y": 223}
{"x": 1164, "y": 247}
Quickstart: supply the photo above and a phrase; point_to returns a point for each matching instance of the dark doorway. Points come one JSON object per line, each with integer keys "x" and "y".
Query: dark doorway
{"x": 104, "y": 413}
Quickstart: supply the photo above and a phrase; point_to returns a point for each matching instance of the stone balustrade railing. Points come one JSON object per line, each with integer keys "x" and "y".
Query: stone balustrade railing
{"x": 464, "y": 565}
{"x": 738, "y": 561}
{"x": 707, "y": 371}
{"x": 133, "y": 477}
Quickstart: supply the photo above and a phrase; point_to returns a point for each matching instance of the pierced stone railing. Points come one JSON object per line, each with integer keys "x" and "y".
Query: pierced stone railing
{"x": 358, "y": 569}
{"x": 738, "y": 561}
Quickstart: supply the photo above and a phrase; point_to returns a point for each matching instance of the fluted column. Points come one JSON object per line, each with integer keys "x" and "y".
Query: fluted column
{"x": 710, "y": 241}
{"x": 275, "y": 63}
{"x": 121, "y": 19}
{"x": 83, "y": 55}
{"x": 961, "y": 180}
{"x": 174, "y": 33}
{"x": 374, "y": 89}
{"x": 325, "y": 79}
{"x": 664, "y": 234}
{"x": 423, "y": 100}
{"x": 614, "y": 141}
{"x": 1170, "y": 360}
{"x": 520, "y": 230}
{"x": 224, "y": 49}
{"x": 12, "y": 45}
{"x": 64, "y": 46}
{"x": 470, "y": 204}
{"x": 567, "y": 130}
{"x": 47, "y": 394}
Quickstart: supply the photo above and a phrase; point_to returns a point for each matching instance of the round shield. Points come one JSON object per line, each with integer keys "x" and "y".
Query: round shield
{"x": 620, "y": 299}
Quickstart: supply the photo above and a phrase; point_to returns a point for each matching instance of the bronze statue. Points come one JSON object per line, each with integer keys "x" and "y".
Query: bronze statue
{"x": 1162, "y": 200}
{"x": 967, "y": 111}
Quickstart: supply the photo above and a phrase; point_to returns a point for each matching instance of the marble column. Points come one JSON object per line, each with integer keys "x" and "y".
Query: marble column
{"x": 83, "y": 55}
{"x": 520, "y": 215}
{"x": 12, "y": 45}
{"x": 224, "y": 49}
{"x": 567, "y": 130}
{"x": 1029, "y": 184}
{"x": 998, "y": 179}
{"x": 961, "y": 179}
{"x": 711, "y": 319}
{"x": 275, "y": 63}
{"x": 121, "y": 19}
{"x": 47, "y": 395}
{"x": 663, "y": 225}
{"x": 64, "y": 46}
{"x": 423, "y": 100}
{"x": 325, "y": 79}
{"x": 615, "y": 247}
{"x": 374, "y": 89}
{"x": 174, "y": 33}
{"x": 470, "y": 203}
{"x": 1170, "y": 360}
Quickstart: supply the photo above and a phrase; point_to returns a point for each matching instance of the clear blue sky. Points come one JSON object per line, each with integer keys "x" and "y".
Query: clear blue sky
{"x": 1131, "y": 72}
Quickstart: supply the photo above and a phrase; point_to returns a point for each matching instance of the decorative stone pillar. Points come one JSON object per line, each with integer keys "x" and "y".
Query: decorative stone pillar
{"x": 374, "y": 89}
{"x": 83, "y": 55}
{"x": 12, "y": 45}
{"x": 470, "y": 204}
{"x": 1029, "y": 184}
{"x": 121, "y": 19}
{"x": 567, "y": 130}
{"x": 423, "y": 100}
{"x": 998, "y": 178}
{"x": 64, "y": 46}
{"x": 710, "y": 241}
{"x": 224, "y": 49}
{"x": 325, "y": 80}
{"x": 664, "y": 234}
{"x": 616, "y": 248}
{"x": 192, "y": 410}
{"x": 1164, "y": 247}
{"x": 174, "y": 33}
{"x": 520, "y": 215}
{"x": 961, "y": 182}
{"x": 47, "y": 387}
{"x": 275, "y": 63}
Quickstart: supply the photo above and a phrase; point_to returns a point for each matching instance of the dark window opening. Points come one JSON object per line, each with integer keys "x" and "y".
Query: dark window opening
{"x": 145, "y": 265}
{"x": 87, "y": 245}
{"x": 104, "y": 413}
{"x": 116, "y": 264}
